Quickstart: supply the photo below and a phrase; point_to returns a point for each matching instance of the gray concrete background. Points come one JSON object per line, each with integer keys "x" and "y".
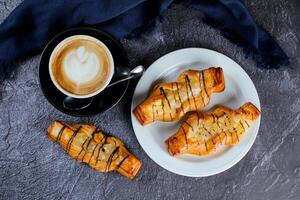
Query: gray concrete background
{"x": 33, "y": 167}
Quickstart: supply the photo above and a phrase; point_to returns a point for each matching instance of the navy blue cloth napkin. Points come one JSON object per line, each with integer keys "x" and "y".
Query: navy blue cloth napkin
{"x": 33, "y": 23}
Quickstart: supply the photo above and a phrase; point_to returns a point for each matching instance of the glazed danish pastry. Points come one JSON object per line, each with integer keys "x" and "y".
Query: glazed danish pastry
{"x": 201, "y": 134}
{"x": 88, "y": 145}
{"x": 190, "y": 92}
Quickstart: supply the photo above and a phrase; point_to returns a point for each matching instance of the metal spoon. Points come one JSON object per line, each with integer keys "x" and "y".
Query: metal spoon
{"x": 134, "y": 73}
{"x": 72, "y": 103}
{"x": 78, "y": 104}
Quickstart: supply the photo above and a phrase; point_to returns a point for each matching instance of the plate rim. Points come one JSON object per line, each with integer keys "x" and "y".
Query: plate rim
{"x": 233, "y": 161}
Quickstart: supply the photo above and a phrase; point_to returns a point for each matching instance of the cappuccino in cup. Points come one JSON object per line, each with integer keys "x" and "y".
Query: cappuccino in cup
{"x": 81, "y": 66}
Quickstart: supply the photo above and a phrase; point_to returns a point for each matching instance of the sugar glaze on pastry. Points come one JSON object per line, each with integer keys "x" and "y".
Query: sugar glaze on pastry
{"x": 86, "y": 144}
{"x": 170, "y": 101}
{"x": 202, "y": 133}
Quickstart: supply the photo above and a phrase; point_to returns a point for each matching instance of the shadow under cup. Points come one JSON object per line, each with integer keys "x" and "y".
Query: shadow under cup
{"x": 80, "y": 67}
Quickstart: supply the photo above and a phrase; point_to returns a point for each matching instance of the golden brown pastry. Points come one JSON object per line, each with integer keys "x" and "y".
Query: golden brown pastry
{"x": 190, "y": 92}
{"x": 87, "y": 144}
{"x": 201, "y": 134}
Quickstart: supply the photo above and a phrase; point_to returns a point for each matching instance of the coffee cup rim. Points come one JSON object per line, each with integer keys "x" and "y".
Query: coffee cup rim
{"x": 111, "y": 61}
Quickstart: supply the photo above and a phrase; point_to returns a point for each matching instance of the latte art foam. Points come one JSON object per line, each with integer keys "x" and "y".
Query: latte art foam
{"x": 81, "y": 65}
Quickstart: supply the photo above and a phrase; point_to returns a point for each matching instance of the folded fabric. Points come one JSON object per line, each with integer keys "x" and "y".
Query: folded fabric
{"x": 34, "y": 22}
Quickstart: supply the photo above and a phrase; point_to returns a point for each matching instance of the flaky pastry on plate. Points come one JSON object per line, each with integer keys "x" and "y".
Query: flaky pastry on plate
{"x": 170, "y": 101}
{"x": 202, "y": 133}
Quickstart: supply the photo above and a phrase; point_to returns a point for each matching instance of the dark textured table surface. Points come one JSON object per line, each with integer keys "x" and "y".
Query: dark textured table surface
{"x": 33, "y": 167}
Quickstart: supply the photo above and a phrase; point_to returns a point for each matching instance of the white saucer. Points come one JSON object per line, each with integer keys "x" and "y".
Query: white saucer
{"x": 238, "y": 89}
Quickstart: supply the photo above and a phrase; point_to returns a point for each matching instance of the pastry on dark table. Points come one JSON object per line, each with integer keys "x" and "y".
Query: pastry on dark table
{"x": 86, "y": 144}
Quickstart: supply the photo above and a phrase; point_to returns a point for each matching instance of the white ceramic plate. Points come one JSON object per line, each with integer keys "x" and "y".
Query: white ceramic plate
{"x": 238, "y": 89}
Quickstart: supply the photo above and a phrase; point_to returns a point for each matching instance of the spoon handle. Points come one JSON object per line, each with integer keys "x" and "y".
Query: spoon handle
{"x": 124, "y": 79}
{"x": 71, "y": 103}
